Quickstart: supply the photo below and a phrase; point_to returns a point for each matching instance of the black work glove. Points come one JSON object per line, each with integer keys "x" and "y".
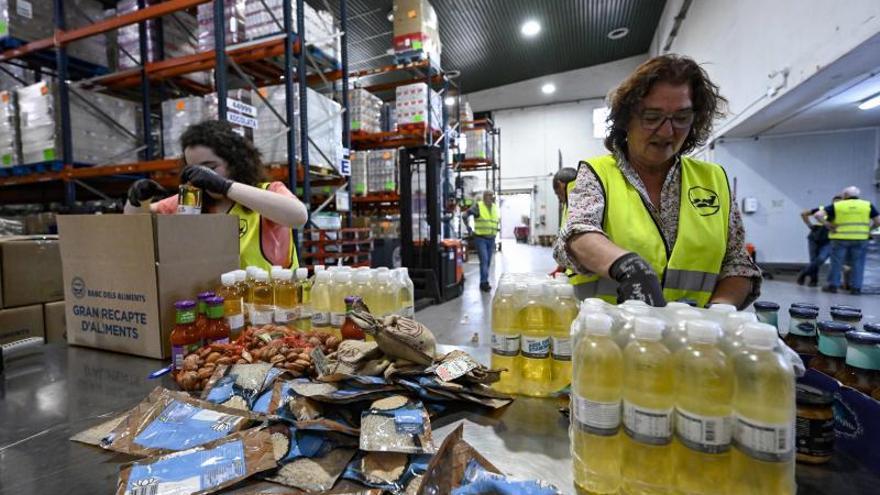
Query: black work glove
{"x": 145, "y": 189}
{"x": 206, "y": 179}
{"x": 636, "y": 280}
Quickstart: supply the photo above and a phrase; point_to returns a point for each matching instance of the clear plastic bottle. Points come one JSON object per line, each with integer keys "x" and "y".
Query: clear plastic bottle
{"x": 648, "y": 402}
{"x": 386, "y": 294}
{"x": 304, "y": 292}
{"x": 675, "y": 336}
{"x": 233, "y": 303}
{"x": 286, "y": 297}
{"x": 321, "y": 302}
{"x": 628, "y": 314}
{"x": 565, "y": 310}
{"x": 362, "y": 286}
{"x": 506, "y": 338}
{"x": 407, "y": 293}
{"x": 536, "y": 320}
{"x": 732, "y": 328}
{"x": 718, "y": 312}
{"x": 704, "y": 384}
{"x": 262, "y": 299}
{"x": 597, "y": 387}
{"x": 340, "y": 288}
{"x": 764, "y": 412}
{"x": 250, "y": 273}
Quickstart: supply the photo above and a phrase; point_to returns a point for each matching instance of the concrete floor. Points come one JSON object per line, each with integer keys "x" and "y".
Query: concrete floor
{"x": 466, "y": 320}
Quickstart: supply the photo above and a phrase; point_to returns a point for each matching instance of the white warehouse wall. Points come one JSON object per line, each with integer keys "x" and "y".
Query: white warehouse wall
{"x": 788, "y": 174}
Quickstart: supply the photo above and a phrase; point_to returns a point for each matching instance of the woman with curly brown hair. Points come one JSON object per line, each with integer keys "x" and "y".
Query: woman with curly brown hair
{"x": 647, "y": 221}
{"x": 228, "y": 169}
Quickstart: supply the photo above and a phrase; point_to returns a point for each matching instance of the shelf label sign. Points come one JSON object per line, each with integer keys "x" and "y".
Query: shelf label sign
{"x": 345, "y": 167}
{"x": 241, "y": 107}
{"x": 238, "y": 119}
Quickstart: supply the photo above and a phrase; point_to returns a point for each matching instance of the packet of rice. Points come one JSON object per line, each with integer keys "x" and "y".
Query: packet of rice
{"x": 204, "y": 469}
{"x": 241, "y": 386}
{"x": 309, "y": 414}
{"x": 168, "y": 421}
{"x": 396, "y": 424}
{"x": 392, "y": 472}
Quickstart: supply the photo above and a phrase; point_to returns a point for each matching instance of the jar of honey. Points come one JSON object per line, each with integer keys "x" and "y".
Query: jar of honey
{"x": 832, "y": 347}
{"x": 185, "y": 337}
{"x": 852, "y": 317}
{"x": 814, "y": 427}
{"x": 862, "y": 370}
{"x": 767, "y": 312}
{"x": 801, "y": 335}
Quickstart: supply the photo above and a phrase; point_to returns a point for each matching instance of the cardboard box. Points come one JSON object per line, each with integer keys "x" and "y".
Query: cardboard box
{"x": 21, "y": 323}
{"x": 416, "y": 28}
{"x": 31, "y": 270}
{"x": 54, "y": 322}
{"x": 123, "y": 273}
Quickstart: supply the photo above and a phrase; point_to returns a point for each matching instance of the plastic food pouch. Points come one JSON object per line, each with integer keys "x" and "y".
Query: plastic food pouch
{"x": 309, "y": 460}
{"x": 172, "y": 421}
{"x": 202, "y": 470}
{"x": 447, "y": 467}
{"x": 396, "y": 424}
{"x": 389, "y": 471}
{"x": 240, "y": 386}
{"x": 460, "y": 365}
{"x": 309, "y": 414}
{"x": 340, "y": 392}
{"x": 478, "y": 481}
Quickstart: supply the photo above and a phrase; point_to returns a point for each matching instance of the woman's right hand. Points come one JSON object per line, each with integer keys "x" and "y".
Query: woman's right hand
{"x": 143, "y": 190}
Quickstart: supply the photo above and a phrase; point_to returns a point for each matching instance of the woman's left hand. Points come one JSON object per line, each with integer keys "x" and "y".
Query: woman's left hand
{"x": 206, "y": 179}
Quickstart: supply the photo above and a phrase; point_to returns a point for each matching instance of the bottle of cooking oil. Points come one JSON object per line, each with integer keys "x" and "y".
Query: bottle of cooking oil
{"x": 628, "y": 314}
{"x": 597, "y": 387}
{"x": 233, "y": 308}
{"x": 340, "y": 288}
{"x": 406, "y": 294}
{"x": 648, "y": 402}
{"x": 286, "y": 297}
{"x": 304, "y": 292}
{"x": 731, "y": 337}
{"x": 764, "y": 412}
{"x": 361, "y": 286}
{"x": 262, "y": 299}
{"x": 536, "y": 320}
{"x": 718, "y": 312}
{"x": 704, "y": 384}
{"x": 505, "y": 338}
{"x": 321, "y": 302}
{"x": 386, "y": 294}
{"x": 250, "y": 273}
{"x": 675, "y": 336}
{"x": 565, "y": 310}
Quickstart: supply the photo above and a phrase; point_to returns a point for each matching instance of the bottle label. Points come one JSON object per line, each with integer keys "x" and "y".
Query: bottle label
{"x": 188, "y": 210}
{"x": 235, "y": 321}
{"x": 408, "y": 312}
{"x": 535, "y": 347}
{"x": 504, "y": 344}
{"x": 178, "y": 352}
{"x": 651, "y": 426}
{"x": 337, "y": 319}
{"x": 815, "y": 437}
{"x": 261, "y": 317}
{"x": 560, "y": 348}
{"x": 320, "y": 319}
{"x": 305, "y": 313}
{"x": 286, "y": 315}
{"x": 598, "y": 418}
{"x": 764, "y": 441}
{"x": 709, "y": 434}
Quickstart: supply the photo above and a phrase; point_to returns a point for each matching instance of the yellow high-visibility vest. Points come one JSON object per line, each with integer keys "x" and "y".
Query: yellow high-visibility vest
{"x": 691, "y": 270}
{"x": 250, "y": 246}
{"x": 486, "y": 225}
{"x": 852, "y": 220}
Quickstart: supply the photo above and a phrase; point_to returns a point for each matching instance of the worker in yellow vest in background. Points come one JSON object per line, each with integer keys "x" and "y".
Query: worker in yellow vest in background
{"x": 487, "y": 223}
{"x": 849, "y": 223}
{"x": 561, "y": 181}
{"x": 646, "y": 221}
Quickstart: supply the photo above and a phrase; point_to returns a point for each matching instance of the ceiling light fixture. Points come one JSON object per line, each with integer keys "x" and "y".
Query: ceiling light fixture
{"x": 530, "y": 28}
{"x": 872, "y": 102}
{"x": 450, "y": 100}
{"x": 390, "y": 16}
{"x": 616, "y": 34}
{"x": 548, "y": 88}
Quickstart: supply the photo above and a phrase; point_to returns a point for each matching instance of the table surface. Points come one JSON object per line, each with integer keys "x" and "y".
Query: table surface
{"x": 50, "y": 394}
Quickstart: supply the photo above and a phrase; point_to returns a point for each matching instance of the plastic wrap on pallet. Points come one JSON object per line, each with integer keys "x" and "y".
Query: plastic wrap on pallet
{"x": 366, "y": 111}
{"x": 179, "y": 32}
{"x": 416, "y": 32}
{"x": 15, "y": 77}
{"x": 233, "y": 18}
{"x": 412, "y": 105}
{"x": 265, "y": 20}
{"x": 389, "y": 116}
{"x": 80, "y": 13}
{"x": 177, "y": 115}
{"x": 466, "y": 115}
{"x": 104, "y": 130}
{"x": 10, "y": 145}
{"x": 26, "y": 20}
{"x": 359, "y": 173}
{"x": 477, "y": 144}
{"x": 270, "y": 136}
{"x": 382, "y": 166}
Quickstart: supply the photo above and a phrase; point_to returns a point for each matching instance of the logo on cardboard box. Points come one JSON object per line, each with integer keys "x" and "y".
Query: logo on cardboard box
{"x": 78, "y": 287}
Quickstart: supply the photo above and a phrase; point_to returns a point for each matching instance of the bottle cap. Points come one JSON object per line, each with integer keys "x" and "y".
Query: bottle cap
{"x": 759, "y": 335}
{"x": 319, "y": 268}
{"x": 688, "y": 314}
{"x": 302, "y": 273}
{"x": 261, "y": 276}
{"x": 702, "y": 331}
{"x": 323, "y": 276}
{"x": 252, "y": 270}
{"x": 766, "y": 306}
{"x": 873, "y": 327}
{"x": 844, "y": 307}
{"x": 634, "y": 303}
{"x": 240, "y": 275}
{"x": 805, "y": 305}
{"x": 276, "y": 273}
{"x": 535, "y": 289}
{"x": 648, "y": 328}
{"x": 383, "y": 277}
{"x": 676, "y": 305}
{"x": 846, "y": 315}
{"x": 565, "y": 290}
{"x": 287, "y": 274}
{"x": 204, "y": 296}
{"x": 214, "y": 301}
{"x": 383, "y": 269}
{"x": 185, "y": 304}
{"x": 362, "y": 278}
{"x": 637, "y": 310}
{"x": 593, "y": 303}
{"x": 836, "y": 327}
{"x": 227, "y": 278}
{"x": 732, "y": 321}
{"x": 869, "y": 338}
{"x": 723, "y": 308}
{"x": 596, "y": 324}
{"x": 803, "y": 312}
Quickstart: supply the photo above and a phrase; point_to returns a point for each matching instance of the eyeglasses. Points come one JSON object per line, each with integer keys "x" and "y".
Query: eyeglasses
{"x": 652, "y": 119}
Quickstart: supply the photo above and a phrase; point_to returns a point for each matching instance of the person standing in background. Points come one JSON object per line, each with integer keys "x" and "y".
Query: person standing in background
{"x": 487, "y": 223}
{"x": 849, "y": 223}
{"x": 819, "y": 244}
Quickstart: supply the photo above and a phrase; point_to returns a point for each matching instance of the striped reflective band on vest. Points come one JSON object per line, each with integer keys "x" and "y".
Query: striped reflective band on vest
{"x": 852, "y": 220}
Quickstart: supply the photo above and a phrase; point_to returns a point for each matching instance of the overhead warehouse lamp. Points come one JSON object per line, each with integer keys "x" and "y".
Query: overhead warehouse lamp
{"x": 548, "y": 88}
{"x": 530, "y": 28}
{"x": 450, "y": 100}
{"x": 870, "y": 103}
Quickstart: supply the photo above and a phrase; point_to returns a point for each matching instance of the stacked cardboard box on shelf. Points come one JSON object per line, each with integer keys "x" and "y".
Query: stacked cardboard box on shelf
{"x": 465, "y": 115}
{"x": 80, "y": 13}
{"x": 234, "y": 21}
{"x": 178, "y": 30}
{"x": 179, "y": 114}
{"x": 265, "y": 20}
{"x": 10, "y": 145}
{"x": 15, "y": 77}
{"x": 27, "y": 20}
{"x": 416, "y": 30}
{"x": 366, "y": 111}
{"x": 30, "y": 275}
{"x": 96, "y": 138}
{"x": 412, "y": 105}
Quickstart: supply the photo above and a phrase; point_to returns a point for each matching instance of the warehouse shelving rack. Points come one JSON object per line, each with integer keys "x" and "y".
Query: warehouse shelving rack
{"x": 490, "y": 165}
